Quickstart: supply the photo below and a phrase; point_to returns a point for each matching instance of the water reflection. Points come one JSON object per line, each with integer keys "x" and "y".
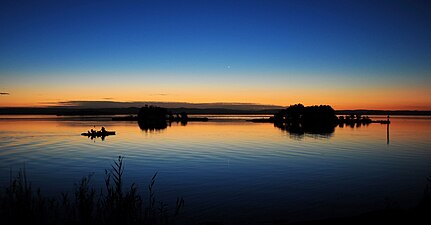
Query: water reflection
{"x": 151, "y": 126}
{"x": 94, "y": 138}
{"x": 321, "y": 130}
{"x": 156, "y": 126}
{"x": 298, "y": 130}
{"x": 353, "y": 124}
{"x": 387, "y": 134}
{"x": 223, "y": 167}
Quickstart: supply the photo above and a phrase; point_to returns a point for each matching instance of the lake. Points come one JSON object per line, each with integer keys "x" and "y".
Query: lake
{"x": 228, "y": 169}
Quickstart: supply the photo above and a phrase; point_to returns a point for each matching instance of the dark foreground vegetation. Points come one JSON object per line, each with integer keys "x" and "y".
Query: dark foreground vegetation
{"x": 115, "y": 204}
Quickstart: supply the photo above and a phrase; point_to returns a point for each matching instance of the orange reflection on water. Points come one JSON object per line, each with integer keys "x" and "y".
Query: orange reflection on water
{"x": 221, "y": 131}
{"x": 193, "y": 131}
{"x": 400, "y": 130}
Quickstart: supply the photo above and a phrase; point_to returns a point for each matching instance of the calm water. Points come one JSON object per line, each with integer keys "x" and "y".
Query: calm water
{"x": 231, "y": 170}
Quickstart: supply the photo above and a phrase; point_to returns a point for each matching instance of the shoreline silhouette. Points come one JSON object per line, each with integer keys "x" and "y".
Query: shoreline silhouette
{"x": 72, "y": 111}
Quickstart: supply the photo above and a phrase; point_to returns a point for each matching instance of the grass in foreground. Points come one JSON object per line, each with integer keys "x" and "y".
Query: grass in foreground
{"x": 115, "y": 204}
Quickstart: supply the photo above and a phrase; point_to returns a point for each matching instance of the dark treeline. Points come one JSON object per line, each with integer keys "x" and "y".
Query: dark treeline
{"x": 384, "y": 112}
{"x": 64, "y": 111}
{"x": 115, "y": 204}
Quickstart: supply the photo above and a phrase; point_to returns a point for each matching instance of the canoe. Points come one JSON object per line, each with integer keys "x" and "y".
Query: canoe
{"x": 98, "y": 134}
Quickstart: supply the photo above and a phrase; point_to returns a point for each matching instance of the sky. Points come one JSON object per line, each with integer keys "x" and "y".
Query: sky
{"x": 348, "y": 54}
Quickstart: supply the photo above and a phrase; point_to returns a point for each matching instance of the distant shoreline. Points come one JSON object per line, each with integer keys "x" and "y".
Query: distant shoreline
{"x": 384, "y": 112}
{"x": 192, "y": 111}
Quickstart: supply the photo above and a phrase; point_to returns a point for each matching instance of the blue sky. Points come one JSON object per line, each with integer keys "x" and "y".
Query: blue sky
{"x": 300, "y": 42}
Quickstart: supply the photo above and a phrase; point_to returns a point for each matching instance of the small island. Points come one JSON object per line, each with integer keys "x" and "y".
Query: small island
{"x": 320, "y": 119}
{"x": 156, "y": 114}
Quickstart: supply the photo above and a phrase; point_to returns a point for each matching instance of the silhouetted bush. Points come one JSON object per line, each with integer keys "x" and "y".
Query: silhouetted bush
{"x": 153, "y": 113}
{"x": 152, "y": 118}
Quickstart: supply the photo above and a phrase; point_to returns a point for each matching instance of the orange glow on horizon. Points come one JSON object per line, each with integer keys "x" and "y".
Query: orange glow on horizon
{"x": 385, "y": 98}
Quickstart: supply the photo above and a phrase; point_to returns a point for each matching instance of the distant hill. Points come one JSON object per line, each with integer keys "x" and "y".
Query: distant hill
{"x": 384, "y": 112}
{"x": 113, "y": 108}
{"x": 116, "y": 108}
{"x": 116, "y": 111}
{"x": 169, "y": 105}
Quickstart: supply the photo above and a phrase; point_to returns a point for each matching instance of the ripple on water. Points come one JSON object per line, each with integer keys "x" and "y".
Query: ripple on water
{"x": 220, "y": 167}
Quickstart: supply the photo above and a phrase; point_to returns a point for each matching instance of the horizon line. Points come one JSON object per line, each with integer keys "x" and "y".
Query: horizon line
{"x": 203, "y": 103}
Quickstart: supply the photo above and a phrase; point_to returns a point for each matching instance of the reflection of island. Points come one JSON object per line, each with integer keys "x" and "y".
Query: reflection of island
{"x": 152, "y": 118}
{"x": 152, "y": 126}
{"x": 298, "y": 129}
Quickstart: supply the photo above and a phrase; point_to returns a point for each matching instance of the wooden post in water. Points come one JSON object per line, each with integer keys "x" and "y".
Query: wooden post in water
{"x": 387, "y": 131}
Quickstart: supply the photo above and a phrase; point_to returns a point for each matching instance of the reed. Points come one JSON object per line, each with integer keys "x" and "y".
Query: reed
{"x": 113, "y": 204}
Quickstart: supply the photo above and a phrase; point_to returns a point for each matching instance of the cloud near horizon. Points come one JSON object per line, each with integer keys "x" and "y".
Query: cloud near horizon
{"x": 4, "y": 93}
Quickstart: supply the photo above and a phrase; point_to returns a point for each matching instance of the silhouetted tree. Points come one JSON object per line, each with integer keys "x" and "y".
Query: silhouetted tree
{"x": 153, "y": 113}
{"x": 299, "y": 119}
{"x": 311, "y": 114}
{"x": 153, "y": 118}
{"x": 157, "y": 118}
